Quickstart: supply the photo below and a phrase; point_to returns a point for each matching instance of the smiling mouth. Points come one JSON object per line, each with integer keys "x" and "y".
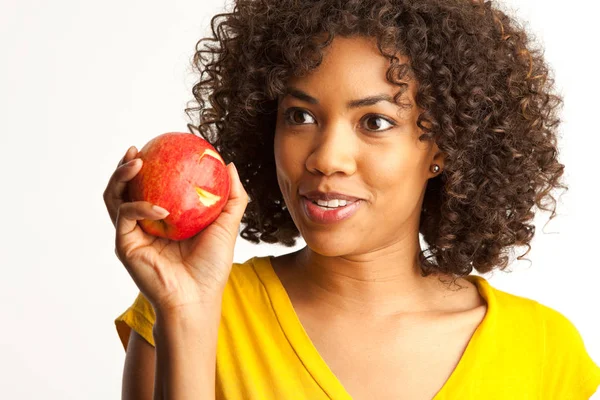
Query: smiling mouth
{"x": 335, "y": 205}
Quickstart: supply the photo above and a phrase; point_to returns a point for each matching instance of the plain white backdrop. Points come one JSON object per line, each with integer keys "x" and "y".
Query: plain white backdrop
{"x": 80, "y": 82}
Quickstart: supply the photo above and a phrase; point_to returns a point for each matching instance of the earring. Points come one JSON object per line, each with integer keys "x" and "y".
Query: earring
{"x": 435, "y": 168}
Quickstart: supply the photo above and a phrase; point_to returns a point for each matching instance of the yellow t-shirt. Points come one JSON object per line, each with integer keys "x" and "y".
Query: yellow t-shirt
{"x": 521, "y": 350}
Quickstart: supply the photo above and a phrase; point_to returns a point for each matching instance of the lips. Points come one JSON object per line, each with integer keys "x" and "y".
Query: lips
{"x": 319, "y": 195}
{"x": 324, "y": 215}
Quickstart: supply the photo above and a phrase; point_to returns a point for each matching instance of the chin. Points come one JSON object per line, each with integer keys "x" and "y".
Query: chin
{"x": 329, "y": 244}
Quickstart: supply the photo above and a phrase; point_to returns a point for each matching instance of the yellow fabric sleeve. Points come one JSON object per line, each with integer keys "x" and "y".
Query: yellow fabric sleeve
{"x": 574, "y": 373}
{"x": 140, "y": 317}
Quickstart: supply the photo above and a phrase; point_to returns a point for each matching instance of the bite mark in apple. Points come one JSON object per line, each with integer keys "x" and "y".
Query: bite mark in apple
{"x": 213, "y": 155}
{"x": 206, "y": 197}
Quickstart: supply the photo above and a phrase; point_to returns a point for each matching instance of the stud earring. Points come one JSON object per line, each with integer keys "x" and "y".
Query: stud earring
{"x": 435, "y": 168}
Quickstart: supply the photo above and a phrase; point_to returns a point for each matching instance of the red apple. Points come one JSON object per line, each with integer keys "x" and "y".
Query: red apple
{"x": 184, "y": 174}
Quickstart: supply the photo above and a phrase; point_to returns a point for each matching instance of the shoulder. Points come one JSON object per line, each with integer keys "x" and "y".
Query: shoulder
{"x": 563, "y": 341}
{"x": 248, "y": 284}
{"x": 246, "y": 277}
{"x": 557, "y": 324}
{"x": 543, "y": 322}
{"x": 508, "y": 309}
{"x": 552, "y": 339}
{"x": 246, "y": 272}
{"x": 568, "y": 366}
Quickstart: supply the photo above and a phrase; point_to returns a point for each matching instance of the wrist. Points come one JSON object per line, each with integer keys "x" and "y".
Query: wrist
{"x": 188, "y": 309}
{"x": 187, "y": 304}
{"x": 190, "y": 317}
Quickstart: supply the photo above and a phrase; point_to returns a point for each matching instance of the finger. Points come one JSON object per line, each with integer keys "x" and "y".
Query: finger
{"x": 129, "y": 155}
{"x": 233, "y": 211}
{"x": 108, "y": 191}
{"x": 237, "y": 196}
{"x": 115, "y": 193}
{"x": 124, "y": 174}
{"x": 129, "y": 235}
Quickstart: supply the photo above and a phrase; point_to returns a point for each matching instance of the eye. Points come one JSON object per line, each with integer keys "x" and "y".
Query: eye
{"x": 296, "y": 116}
{"x": 373, "y": 127}
{"x": 291, "y": 114}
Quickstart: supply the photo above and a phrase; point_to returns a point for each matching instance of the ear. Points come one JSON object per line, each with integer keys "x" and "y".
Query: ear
{"x": 437, "y": 157}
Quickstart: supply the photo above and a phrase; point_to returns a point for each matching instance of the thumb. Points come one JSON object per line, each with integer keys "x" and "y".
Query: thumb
{"x": 233, "y": 211}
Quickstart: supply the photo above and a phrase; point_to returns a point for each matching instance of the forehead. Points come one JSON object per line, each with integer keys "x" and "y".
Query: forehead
{"x": 351, "y": 68}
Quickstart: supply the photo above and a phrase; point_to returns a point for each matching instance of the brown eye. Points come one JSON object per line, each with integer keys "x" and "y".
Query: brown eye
{"x": 377, "y": 125}
{"x": 295, "y": 116}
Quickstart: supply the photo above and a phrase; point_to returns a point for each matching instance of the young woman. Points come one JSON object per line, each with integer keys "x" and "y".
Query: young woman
{"x": 358, "y": 125}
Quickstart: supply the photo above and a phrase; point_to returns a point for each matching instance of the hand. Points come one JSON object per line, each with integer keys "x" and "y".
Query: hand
{"x": 115, "y": 193}
{"x": 169, "y": 273}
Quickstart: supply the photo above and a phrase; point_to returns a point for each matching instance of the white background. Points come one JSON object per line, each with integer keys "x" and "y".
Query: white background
{"x": 80, "y": 82}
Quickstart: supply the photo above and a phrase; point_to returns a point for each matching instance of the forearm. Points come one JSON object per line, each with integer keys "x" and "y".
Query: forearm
{"x": 186, "y": 351}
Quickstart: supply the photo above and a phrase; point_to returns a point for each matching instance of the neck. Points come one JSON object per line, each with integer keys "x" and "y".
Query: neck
{"x": 382, "y": 283}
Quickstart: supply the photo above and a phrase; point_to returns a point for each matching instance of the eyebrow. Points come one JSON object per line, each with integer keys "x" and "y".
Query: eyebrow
{"x": 367, "y": 101}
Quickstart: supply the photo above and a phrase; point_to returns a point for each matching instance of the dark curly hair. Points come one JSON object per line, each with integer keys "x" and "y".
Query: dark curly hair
{"x": 486, "y": 93}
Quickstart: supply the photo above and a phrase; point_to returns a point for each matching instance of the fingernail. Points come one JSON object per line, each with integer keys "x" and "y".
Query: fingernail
{"x": 160, "y": 210}
{"x": 133, "y": 162}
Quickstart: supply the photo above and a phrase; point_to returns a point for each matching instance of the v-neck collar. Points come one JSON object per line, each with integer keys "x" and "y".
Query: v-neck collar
{"x": 318, "y": 368}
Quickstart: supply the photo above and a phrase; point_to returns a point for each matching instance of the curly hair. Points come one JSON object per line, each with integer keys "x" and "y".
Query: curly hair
{"x": 485, "y": 91}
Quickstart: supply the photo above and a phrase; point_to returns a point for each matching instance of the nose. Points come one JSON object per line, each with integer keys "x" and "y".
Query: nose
{"x": 334, "y": 150}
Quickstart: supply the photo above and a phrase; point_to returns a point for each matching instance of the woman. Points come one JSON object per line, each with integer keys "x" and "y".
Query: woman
{"x": 464, "y": 147}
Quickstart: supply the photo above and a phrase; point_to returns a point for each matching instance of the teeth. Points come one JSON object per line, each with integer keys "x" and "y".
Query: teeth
{"x": 331, "y": 203}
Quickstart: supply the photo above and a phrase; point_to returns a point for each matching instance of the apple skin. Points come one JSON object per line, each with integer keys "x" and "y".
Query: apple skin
{"x": 184, "y": 174}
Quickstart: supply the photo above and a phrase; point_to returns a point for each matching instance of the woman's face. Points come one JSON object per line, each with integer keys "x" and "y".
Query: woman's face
{"x": 367, "y": 151}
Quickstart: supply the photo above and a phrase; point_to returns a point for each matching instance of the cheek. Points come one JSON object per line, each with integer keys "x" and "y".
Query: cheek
{"x": 281, "y": 156}
{"x": 286, "y": 163}
{"x": 396, "y": 177}
{"x": 289, "y": 154}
